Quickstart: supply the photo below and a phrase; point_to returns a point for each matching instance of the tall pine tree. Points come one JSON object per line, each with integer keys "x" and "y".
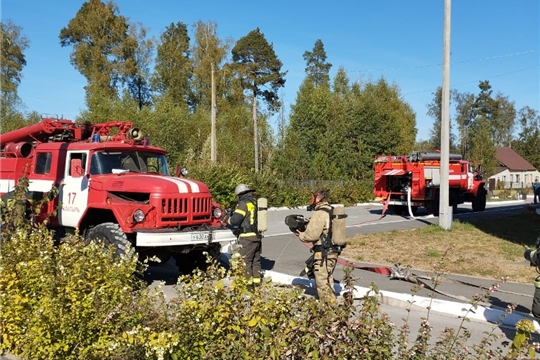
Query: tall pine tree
{"x": 260, "y": 70}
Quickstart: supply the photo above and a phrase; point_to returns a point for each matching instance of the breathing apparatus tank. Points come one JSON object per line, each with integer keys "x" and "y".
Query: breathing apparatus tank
{"x": 339, "y": 236}
{"x": 262, "y": 214}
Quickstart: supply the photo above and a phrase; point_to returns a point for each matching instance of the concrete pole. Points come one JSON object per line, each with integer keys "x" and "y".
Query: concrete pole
{"x": 213, "y": 120}
{"x": 445, "y": 218}
{"x": 255, "y": 133}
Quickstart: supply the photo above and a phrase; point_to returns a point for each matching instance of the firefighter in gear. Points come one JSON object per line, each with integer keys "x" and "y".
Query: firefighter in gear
{"x": 243, "y": 222}
{"x": 533, "y": 256}
{"x": 325, "y": 255}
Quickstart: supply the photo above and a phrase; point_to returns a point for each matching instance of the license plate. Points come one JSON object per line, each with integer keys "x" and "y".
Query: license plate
{"x": 201, "y": 237}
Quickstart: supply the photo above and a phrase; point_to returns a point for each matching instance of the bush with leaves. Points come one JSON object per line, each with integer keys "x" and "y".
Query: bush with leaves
{"x": 217, "y": 315}
{"x": 65, "y": 300}
{"x": 222, "y": 180}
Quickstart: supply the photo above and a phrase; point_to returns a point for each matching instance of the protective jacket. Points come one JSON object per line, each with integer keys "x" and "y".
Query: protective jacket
{"x": 318, "y": 224}
{"x": 244, "y": 217}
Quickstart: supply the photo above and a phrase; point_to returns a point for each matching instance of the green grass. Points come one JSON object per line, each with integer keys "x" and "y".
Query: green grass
{"x": 490, "y": 248}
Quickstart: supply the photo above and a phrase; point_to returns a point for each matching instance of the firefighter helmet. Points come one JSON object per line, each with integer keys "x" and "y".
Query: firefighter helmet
{"x": 241, "y": 189}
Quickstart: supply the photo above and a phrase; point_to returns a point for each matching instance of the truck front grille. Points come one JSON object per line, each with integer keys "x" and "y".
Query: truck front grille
{"x": 186, "y": 210}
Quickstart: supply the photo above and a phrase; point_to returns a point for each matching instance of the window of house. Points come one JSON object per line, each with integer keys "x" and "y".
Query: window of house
{"x": 517, "y": 178}
{"x": 43, "y": 163}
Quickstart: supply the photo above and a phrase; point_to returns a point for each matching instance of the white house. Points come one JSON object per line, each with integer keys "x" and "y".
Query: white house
{"x": 514, "y": 171}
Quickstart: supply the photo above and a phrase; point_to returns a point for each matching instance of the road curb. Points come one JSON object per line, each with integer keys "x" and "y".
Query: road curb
{"x": 411, "y": 301}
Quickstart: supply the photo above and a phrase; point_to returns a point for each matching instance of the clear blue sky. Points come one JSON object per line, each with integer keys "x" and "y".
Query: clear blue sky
{"x": 495, "y": 40}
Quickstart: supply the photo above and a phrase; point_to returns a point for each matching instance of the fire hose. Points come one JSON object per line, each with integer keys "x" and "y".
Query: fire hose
{"x": 409, "y": 202}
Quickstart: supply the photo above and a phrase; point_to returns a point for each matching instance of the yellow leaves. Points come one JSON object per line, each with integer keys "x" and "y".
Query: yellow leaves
{"x": 254, "y": 321}
{"x": 11, "y": 282}
{"x": 292, "y": 323}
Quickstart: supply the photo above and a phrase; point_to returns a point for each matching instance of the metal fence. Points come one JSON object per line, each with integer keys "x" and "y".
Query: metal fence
{"x": 312, "y": 183}
{"x": 507, "y": 185}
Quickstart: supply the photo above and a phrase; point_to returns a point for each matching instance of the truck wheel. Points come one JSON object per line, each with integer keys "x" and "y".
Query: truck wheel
{"x": 111, "y": 234}
{"x": 453, "y": 201}
{"x": 479, "y": 202}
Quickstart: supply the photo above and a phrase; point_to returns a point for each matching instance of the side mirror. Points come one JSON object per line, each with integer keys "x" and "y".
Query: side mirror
{"x": 75, "y": 168}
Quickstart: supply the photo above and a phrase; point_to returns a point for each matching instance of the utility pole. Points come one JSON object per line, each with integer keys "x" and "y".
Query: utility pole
{"x": 445, "y": 214}
{"x": 255, "y": 132}
{"x": 213, "y": 120}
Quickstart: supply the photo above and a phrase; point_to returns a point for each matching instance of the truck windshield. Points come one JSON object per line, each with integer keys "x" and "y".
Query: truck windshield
{"x": 115, "y": 162}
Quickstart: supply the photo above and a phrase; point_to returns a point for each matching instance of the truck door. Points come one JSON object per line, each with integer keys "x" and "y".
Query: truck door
{"x": 74, "y": 191}
{"x": 470, "y": 176}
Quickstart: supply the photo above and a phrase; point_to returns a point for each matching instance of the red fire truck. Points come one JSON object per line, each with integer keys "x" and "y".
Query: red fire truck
{"x": 414, "y": 180}
{"x": 113, "y": 185}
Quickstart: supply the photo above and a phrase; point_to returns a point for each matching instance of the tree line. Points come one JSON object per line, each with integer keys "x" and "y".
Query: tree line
{"x": 335, "y": 128}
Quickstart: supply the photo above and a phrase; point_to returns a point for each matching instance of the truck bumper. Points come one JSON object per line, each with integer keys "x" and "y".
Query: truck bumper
{"x": 178, "y": 238}
{"x": 405, "y": 203}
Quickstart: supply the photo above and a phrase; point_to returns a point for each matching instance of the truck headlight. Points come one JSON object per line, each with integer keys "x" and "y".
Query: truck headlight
{"x": 217, "y": 213}
{"x": 138, "y": 215}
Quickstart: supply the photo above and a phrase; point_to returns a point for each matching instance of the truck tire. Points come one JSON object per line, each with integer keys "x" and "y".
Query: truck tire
{"x": 479, "y": 202}
{"x": 453, "y": 201}
{"x": 112, "y": 234}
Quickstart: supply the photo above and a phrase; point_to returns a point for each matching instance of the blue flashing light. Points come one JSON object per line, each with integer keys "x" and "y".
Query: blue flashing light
{"x": 96, "y": 138}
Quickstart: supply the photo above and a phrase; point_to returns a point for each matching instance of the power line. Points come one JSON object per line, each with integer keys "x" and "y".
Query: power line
{"x": 452, "y": 63}
{"x": 472, "y": 81}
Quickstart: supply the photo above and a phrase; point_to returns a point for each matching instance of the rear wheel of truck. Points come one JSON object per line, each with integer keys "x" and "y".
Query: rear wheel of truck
{"x": 453, "y": 201}
{"x": 112, "y": 234}
{"x": 479, "y": 202}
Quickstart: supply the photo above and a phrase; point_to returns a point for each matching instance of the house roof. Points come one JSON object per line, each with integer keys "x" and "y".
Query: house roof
{"x": 512, "y": 160}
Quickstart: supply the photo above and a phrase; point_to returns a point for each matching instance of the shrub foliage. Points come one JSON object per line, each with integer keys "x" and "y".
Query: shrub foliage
{"x": 72, "y": 300}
